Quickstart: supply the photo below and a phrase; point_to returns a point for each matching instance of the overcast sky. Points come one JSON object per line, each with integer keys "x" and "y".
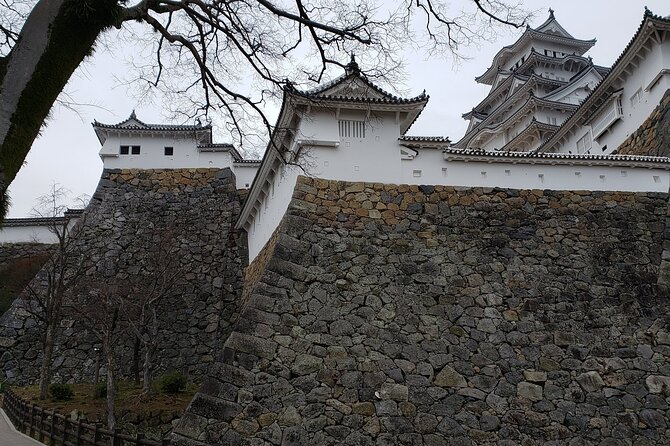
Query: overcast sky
{"x": 67, "y": 150}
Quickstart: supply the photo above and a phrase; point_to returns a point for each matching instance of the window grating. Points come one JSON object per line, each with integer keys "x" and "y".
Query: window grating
{"x": 352, "y": 129}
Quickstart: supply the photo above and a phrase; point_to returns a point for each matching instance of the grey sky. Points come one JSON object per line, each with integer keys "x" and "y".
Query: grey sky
{"x": 67, "y": 150}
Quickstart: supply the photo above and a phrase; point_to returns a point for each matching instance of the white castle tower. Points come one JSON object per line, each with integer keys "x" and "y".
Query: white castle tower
{"x": 536, "y": 83}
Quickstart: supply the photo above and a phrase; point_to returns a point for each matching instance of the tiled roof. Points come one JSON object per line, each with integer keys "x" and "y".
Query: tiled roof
{"x": 425, "y": 138}
{"x": 559, "y": 156}
{"x": 534, "y": 125}
{"x": 140, "y": 125}
{"x": 220, "y": 147}
{"x": 43, "y": 221}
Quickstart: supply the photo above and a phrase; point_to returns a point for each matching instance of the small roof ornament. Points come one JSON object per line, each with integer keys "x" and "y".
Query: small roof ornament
{"x": 352, "y": 66}
{"x": 551, "y": 13}
{"x": 133, "y": 115}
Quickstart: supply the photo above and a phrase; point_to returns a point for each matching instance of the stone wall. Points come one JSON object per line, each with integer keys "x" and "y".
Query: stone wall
{"x": 434, "y": 315}
{"x": 11, "y": 252}
{"x": 129, "y": 215}
{"x": 19, "y": 262}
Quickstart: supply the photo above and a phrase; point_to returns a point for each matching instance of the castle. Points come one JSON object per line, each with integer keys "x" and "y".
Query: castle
{"x": 359, "y": 285}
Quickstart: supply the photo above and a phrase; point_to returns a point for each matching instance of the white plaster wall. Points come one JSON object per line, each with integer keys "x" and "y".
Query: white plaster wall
{"x": 279, "y": 192}
{"x": 532, "y": 176}
{"x": 186, "y": 154}
{"x": 375, "y": 158}
{"x": 244, "y": 175}
{"x": 32, "y": 233}
{"x": 27, "y": 234}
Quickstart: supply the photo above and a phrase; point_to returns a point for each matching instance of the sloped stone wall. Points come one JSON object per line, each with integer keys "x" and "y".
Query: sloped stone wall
{"x": 442, "y": 316}
{"x": 121, "y": 226}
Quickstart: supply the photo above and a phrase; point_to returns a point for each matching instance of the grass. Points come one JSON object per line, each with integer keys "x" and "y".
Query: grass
{"x": 131, "y": 405}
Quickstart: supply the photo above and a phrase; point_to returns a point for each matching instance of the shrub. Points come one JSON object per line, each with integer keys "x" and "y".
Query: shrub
{"x": 100, "y": 390}
{"x": 172, "y": 382}
{"x": 61, "y": 392}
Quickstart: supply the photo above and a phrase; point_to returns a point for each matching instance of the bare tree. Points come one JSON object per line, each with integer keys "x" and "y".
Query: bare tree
{"x": 158, "y": 279}
{"x": 213, "y": 48}
{"x": 60, "y": 274}
{"x": 99, "y": 308}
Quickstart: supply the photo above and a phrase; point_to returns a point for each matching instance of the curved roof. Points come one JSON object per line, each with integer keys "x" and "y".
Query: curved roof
{"x": 133, "y": 124}
{"x": 549, "y": 31}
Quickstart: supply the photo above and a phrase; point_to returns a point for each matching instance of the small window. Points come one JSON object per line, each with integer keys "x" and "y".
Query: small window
{"x": 134, "y": 150}
{"x": 169, "y": 151}
{"x": 416, "y": 173}
{"x": 124, "y": 150}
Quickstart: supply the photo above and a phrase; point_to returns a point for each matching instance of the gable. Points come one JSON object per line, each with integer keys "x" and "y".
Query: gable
{"x": 132, "y": 123}
{"x": 578, "y": 89}
{"x": 353, "y": 87}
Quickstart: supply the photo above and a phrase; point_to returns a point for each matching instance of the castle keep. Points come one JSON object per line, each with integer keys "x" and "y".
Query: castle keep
{"x": 363, "y": 286}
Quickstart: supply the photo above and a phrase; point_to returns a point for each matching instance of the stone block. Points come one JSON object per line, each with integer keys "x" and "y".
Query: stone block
{"x": 448, "y": 377}
{"x": 264, "y": 348}
{"x": 590, "y": 381}
{"x": 658, "y": 384}
{"x": 306, "y": 364}
{"x": 529, "y": 391}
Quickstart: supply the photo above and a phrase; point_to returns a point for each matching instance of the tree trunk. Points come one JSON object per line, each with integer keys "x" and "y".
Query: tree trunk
{"x": 54, "y": 40}
{"x": 111, "y": 387}
{"x": 47, "y": 355}
{"x": 150, "y": 346}
{"x": 146, "y": 383}
{"x": 136, "y": 360}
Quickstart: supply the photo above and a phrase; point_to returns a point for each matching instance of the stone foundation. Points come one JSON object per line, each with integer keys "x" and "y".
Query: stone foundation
{"x": 434, "y": 315}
